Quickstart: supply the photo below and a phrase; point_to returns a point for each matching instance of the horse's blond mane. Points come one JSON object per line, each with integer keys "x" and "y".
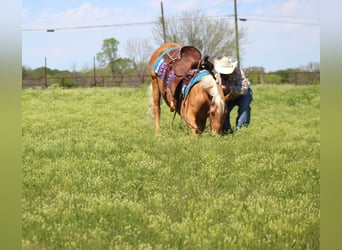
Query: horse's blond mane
{"x": 209, "y": 84}
{"x": 219, "y": 103}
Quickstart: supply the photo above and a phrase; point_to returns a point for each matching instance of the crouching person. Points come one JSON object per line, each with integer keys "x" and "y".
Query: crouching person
{"x": 233, "y": 80}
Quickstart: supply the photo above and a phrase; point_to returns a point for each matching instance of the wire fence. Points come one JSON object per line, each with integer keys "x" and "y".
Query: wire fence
{"x": 297, "y": 77}
{"x": 75, "y": 81}
{"x": 135, "y": 80}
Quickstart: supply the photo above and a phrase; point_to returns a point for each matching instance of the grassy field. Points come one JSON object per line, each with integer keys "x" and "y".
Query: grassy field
{"x": 96, "y": 177}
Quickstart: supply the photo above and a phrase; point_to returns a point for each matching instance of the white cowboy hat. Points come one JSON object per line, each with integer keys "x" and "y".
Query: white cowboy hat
{"x": 225, "y": 65}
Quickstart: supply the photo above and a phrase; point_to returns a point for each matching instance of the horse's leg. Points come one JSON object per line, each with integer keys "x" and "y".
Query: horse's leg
{"x": 156, "y": 104}
{"x": 170, "y": 99}
{"x": 196, "y": 127}
{"x": 201, "y": 125}
{"x": 191, "y": 121}
{"x": 189, "y": 116}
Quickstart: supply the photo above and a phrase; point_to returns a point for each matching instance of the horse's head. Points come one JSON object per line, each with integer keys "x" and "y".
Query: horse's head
{"x": 217, "y": 114}
{"x": 218, "y": 109}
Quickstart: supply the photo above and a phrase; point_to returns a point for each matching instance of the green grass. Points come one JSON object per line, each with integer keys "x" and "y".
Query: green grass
{"x": 96, "y": 177}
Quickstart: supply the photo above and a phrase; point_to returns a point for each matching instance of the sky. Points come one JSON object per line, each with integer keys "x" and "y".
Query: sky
{"x": 280, "y": 34}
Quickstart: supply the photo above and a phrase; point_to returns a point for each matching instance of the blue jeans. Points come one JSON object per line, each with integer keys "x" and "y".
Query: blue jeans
{"x": 244, "y": 111}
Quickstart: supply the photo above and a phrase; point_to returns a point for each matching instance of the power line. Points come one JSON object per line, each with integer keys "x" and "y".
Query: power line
{"x": 280, "y": 21}
{"x": 291, "y": 17}
{"x": 273, "y": 20}
{"x": 89, "y": 26}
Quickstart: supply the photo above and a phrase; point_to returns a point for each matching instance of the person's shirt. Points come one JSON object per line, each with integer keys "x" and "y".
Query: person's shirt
{"x": 236, "y": 82}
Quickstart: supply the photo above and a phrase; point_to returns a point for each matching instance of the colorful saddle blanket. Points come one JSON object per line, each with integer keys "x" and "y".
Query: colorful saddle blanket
{"x": 162, "y": 68}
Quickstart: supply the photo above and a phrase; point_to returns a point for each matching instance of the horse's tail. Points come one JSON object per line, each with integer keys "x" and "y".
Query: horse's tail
{"x": 150, "y": 113}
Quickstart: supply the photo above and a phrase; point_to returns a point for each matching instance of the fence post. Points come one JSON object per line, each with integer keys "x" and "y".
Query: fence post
{"x": 45, "y": 74}
{"x": 94, "y": 81}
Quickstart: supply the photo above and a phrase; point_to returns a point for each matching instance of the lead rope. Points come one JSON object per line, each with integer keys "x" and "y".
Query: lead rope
{"x": 174, "y": 116}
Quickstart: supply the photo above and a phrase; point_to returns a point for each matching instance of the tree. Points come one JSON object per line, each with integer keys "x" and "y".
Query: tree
{"x": 139, "y": 51}
{"x": 214, "y": 37}
{"x": 255, "y": 74}
{"x": 121, "y": 67}
{"x": 25, "y": 71}
{"x": 312, "y": 67}
{"x": 108, "y": 55}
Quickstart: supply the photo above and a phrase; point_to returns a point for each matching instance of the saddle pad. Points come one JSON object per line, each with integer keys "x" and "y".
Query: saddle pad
{"x": 160, "y": 60}
{"x": 160, "y": 66}
{"x": 198, "y": 77}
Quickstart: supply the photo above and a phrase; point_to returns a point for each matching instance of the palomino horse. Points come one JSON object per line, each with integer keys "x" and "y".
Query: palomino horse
{"x": 205, "y": 98}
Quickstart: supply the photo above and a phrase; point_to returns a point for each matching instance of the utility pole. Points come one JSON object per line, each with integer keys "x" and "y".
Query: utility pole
{"x": 236, "y": 35}
{"x": 163, "y": 20}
